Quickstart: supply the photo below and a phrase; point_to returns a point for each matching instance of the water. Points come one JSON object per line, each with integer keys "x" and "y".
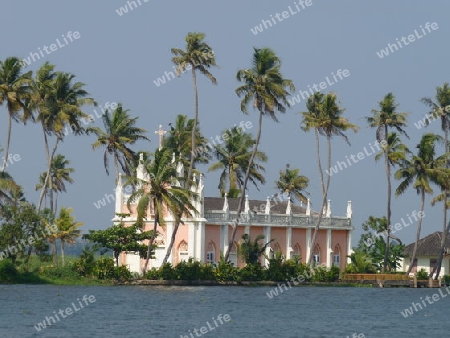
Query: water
{"x": 154, "y": 311}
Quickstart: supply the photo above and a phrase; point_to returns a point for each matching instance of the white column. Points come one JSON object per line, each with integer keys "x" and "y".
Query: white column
{"x": 200, "y": 241}
{"x": 191, "y": 239}
{"x": 288, "y": 242}
{"x": 349, "y": 245}
{"x": 119, "y": 195}
{"x": 329, "y": 250}
{"x": 247, "y": 229}
{"x": 308, "y": 243}
{"x": 267, "y": 238}
{"x": 224, "y": 238}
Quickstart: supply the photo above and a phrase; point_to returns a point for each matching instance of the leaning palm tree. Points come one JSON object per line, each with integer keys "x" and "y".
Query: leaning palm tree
{"x": 14, "y": 88}
{"x": 439, "y": 108}
{"x": 383, "y": 119}
{"x": 421, "y": 170}
{"x": 60, "y": 110}
{"x": 68, "y": 230}
{"x": 292, "y": 183}
{"x": 120, "y": 132}
{"x": 198, "y": 56}
{"x": 59, "y": 175}
{"x": 233, "y": 159}
{"x": 324, "y": 115}
{"x": 265, "y": 89}
{"x": 160, "y": 195}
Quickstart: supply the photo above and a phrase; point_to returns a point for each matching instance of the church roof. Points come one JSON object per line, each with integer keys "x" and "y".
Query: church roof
{"x": 428, "y": 246}
{"x": 277, "y": 207}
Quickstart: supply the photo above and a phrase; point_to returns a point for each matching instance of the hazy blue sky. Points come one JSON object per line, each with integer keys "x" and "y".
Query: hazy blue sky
{"x": 119, "y": 57}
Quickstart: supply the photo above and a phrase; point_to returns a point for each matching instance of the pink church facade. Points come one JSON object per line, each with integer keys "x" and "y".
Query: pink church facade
{"x": 205, "y": 236}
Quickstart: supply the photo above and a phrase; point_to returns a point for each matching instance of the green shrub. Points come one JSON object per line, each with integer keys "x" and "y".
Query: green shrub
{"x": 8, "y": 271}
{"x": 226, "y": 271}
{"x": 84, "y": 265}
{"x": 104, "y": 268}
{"x": 57, "y": 272}
{"x": 251, "y": 272}
{"x": 422, "y": 274}
{"x": 122, "y": 274}
{"x": 446, "y": 279}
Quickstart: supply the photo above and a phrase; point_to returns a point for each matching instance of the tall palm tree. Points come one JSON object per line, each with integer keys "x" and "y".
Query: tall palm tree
{"x": 59, "y": 175}
{"x": 120, "y": 132}
{"x": 421, "y": 170}
{"x": 159, "y": 195}
{"x": 14, "y": 88}
{"x": 60, "y": 110}
{"x": 249, "y": 251}
{"x": 292, "y": 183}
{"x": 439, "y": 109}
{"x": 384, "y": 119}
{"x": 265, "y": 89}
{"x": 68, "y": 230}
{"x": 324, "y": 115}
{"x": 234, "y": 159}
{"x": 198, "y": 56}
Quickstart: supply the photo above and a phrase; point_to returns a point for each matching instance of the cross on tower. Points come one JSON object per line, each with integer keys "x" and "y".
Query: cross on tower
{"x": 161, "y": 133}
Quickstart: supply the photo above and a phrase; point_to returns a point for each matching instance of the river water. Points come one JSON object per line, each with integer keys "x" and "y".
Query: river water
{"x": 189, "y": 312}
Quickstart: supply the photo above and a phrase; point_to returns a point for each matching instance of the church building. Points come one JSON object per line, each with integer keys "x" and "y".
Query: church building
{"x": 206, "y": 236}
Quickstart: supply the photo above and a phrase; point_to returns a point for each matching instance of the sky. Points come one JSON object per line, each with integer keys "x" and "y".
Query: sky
{"x": 120, "y": 55}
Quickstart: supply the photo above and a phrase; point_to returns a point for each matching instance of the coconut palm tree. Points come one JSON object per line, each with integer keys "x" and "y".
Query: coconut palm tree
{"x": 14, "y": 88}
{"x": 160, "y": 194}
{"x": 439, "y": 108}
{"x": 384, "y": 119}
{"x": 324, "y": 115}
{"x": 59, "y": 175}
{"x": 179, "y": 139}
{"x": 249, "y": 251}
{"x": 264, "y": 89}
{"x": 68, "y": 230}
{"x": 421, "y": 170}
{"x": 198, "y": 56}
{"x": 60, "y": 110}
{"x": 10, "y": 191}
{"x": 234, "y": 159}
{"x": 292, "y": 183}
{"x": 120, "y": 132}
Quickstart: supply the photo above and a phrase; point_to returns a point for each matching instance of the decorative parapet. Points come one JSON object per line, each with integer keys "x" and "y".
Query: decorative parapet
{"x": 250, "y": 218}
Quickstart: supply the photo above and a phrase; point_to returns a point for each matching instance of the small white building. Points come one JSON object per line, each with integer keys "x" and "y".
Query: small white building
{"x": 427, "y": 254}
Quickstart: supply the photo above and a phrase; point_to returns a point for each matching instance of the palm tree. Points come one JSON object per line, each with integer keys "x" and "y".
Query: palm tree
{"x": 292, "y": 183}
{"x": 14, "y": 88}
{"x": 360, "y": 262}
{"x": 60, "y": 110}
{"x": 439, "y": 108}
{"x": 10, "y": 191}
{"x": 252, "y": 251}
{"x": 265, "y": 90}
{"x": 387, "y": 117}
{"x": 59, "y": 175}
{"x": 120, "y": 132}
{"x": 179, "y": 140}
{"x": 234, "y": 159}
{"x": 324, "y": 115}
{"x": 420, "y": 171}
{"x": 159, "y": 195}
{"x": 198, "y": 56}
{"x": 67, "y": 229}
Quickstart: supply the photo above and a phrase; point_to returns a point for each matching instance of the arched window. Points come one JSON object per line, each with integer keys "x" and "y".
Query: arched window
{"x": 316, "y": 254}
{"x": 183, "y": 254}
{"x": 233, "y": 255}
{"x": 211, "y": 253}
{"x": 297, "y": 253}
{"x": 337, "y": 256}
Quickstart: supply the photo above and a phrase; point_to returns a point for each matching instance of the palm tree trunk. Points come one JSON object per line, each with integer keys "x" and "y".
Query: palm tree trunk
{"x": 116, "y": 167}
{"x": 54, "y": 252}
{"x": 445, "y": 226}
{"x": 419, "y": 226}
{"x": 324, "y": 190}
{"x": 244, "y": 187}
{"x": 47, "y": 177}
{"x": 62, "y": 252}
{"x": 194, "y": 127}
{"x": 150, "y": 243}
{"x": 8, "y": 141}
{"x": 389, "y": 195}
{"x": 172, "y": 241}
{"x": 191, "y": 165}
